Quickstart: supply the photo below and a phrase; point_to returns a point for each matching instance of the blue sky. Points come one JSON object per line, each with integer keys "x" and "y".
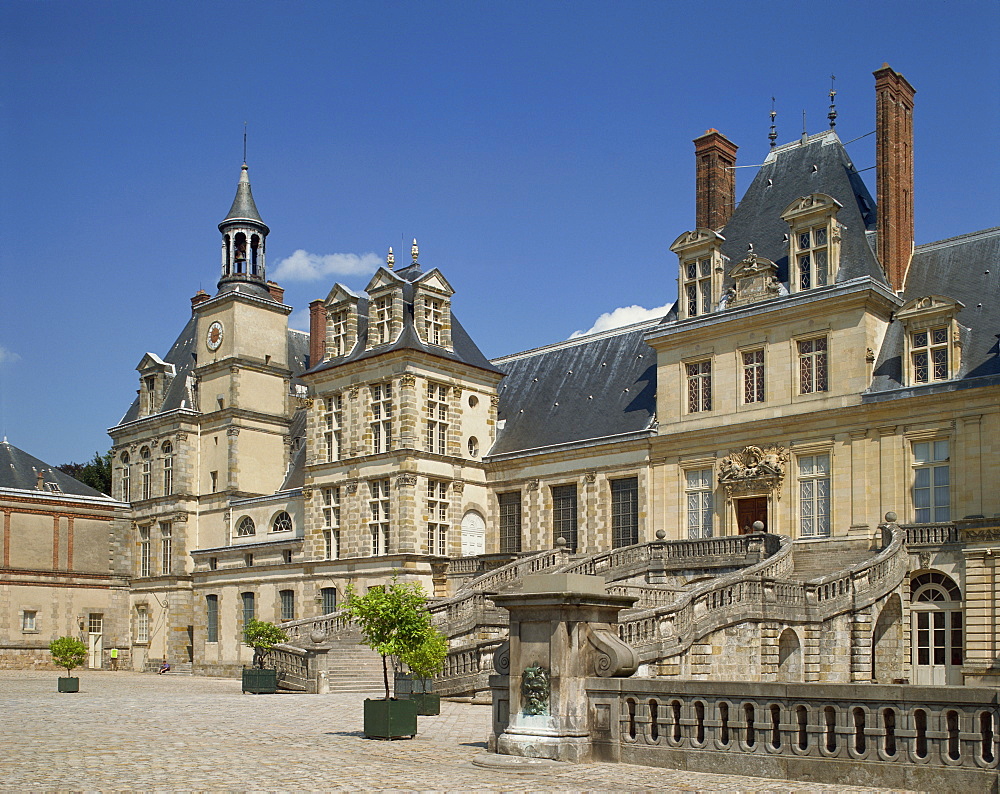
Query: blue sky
{"x": 540, "y": 152}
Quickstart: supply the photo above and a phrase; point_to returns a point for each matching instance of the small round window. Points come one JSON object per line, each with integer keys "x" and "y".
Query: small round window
{"x": 246, "y": 527}
{"x": 473, "y": 401}
{"x": 282, "y": 522}
{"x": 473, "y": 447}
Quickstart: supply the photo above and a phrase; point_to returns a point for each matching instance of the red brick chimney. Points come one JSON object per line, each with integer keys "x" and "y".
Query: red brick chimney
{"x": 715, "y": 180}
{"x": 894, "y": 172}
{"x": 276, "y": 292}
{"x": 317, "y": 332}
{"x": 199, "y": 297}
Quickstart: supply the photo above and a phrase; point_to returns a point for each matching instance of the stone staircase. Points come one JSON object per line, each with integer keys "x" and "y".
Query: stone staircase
{"x": 353, "y": 667}
{"x": 812, "y": 560}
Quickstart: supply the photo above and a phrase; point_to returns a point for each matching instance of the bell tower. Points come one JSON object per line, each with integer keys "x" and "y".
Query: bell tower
{"x": 243, "y": 237}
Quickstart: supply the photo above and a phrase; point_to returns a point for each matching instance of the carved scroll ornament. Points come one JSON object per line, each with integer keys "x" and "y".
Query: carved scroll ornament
{"x": 614, "y": 659}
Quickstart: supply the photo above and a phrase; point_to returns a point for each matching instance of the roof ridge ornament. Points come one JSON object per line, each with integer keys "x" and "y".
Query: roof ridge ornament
{"x": 773, "y": 134}
{"x": 832, "y": 115}
{"x": 390, "y": 259}
{"x": 414, "y": 251}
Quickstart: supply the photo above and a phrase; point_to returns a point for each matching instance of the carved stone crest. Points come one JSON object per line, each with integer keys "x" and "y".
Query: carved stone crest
{"x": 756, "y": 280}
{"x": 407, "y": 379}
{"x": 753, "y": 469}
{"x": 352, "y": 486}
{"x": 405, "y": 479}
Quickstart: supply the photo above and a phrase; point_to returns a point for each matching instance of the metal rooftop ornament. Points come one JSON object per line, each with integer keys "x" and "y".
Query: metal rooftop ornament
{"x": 832, "y": 115}
{"x": 390, "y": 259}
{"x": 414, "y": 251}
{"x": 773, "y": 134}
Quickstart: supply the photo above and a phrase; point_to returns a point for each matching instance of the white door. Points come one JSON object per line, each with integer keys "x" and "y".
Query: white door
{"x": 473, "y": 534}
{"x": 95, "y": 633}
{"x": 937, "y": 646}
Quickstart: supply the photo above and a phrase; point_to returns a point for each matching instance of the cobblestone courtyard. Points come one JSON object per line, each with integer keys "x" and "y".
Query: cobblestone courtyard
{"x": 131, "y": 731}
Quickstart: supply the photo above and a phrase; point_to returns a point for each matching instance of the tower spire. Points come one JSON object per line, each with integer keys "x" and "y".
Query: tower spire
{"x": 243, "y": 236}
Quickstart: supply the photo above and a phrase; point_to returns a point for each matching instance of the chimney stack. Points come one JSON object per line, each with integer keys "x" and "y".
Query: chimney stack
{"x": 199, "y": 297}
{"x": 715, "y": 181}
{"x": 278, "y": 293}
{"x": 894, "y": 172}
{"x": 317, "y": 332}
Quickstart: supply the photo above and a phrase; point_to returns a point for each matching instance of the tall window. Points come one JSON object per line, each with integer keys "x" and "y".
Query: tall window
{"x": 381, "y": 425}
{"x": 753, "y": 376}
{"x": 333, "y": 419}
{"x": 931, "y": 482}
{"x": 812, "y": 365}
{"x": 249, "y": 606}
{"x": 282, "y": 522}
{"x": 814, "y": 496}
{"x": 383, "y": 320}
{"x": 338, "y": 324}
{"x": 211, "y": 618}
{"x": 144, "y": 551}
{"x": 147, "y": 474}
{"x": 510, "y": 522}
{"x": 698, "y": 497}
{"x": 624, "y": 512}
{"x": 699, "y": 382}
{"x": 142, "y": 625}
{"x": 437, "y": 517}
{"x": 166, "y": 547}
{"x": 246, "y": 527}
{"x": 812, "y": 256}
{"x": 698, "y": 286}
{"x": 287, "y": 604}
{"x": 437, "y": 418}
{"x": 929, "y": 351}
{"x": 126, "y": 480}
{"x": 433, "y": 320}
{"x": 564, "y": 515}
{"x": 378, "y": 510}
{"x": 149, "y": 393}
{"x": 329, "y": 595}
{"x": 168, "y": 469}
{"x": 331, "y": 522}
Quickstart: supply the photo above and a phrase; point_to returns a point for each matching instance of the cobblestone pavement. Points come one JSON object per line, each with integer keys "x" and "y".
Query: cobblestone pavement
{"x": 133, "y": 731}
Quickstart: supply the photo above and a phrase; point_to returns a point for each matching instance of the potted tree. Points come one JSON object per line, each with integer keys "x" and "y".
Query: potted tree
{"x": 394, "y": 622}
{"x": 262, "y": 637}
{"x": 68, "y": 652}
{"x": 424, "y": 661}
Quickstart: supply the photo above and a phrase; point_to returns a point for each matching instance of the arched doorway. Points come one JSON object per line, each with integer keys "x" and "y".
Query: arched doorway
{"x": 473, "y": 534}
{"x": 937, "y": 629}
{"x": 789, "y": 657}
{"x": 887, "y": 642}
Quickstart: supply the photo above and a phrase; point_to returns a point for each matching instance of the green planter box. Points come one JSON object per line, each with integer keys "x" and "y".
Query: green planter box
{"x": 428, "y": 704}
{"x": 390, "y": 719}
{"x": 70, "y": 684}
{"x": 260, "y": 682}
{"x": 409, "y": 684}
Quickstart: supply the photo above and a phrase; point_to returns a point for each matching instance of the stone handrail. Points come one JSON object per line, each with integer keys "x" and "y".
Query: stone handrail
{"x": 648, "y": 597}
{"x": 758, "y": 590}
{"x": 930, "y": 534}
{"x": 332, "y": 625}
{"x": 497, "y": 579}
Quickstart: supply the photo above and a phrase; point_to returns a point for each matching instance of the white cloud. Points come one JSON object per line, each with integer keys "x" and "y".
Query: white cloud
{"x": 623, "y": 315}
{"x": 8, "y": 356}
{"x": 303, "y": 266}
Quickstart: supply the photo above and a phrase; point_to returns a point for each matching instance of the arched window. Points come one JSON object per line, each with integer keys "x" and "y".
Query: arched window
{"x": 168, "y": 469}
{"x": 282, "y": 522}
{"x": 227, "y": 256}
{"x": 246, "y": 527}
{"x": 147, "y": 480}
{"x": 126, "y": 480}
{"x": 240, "y": 252}
{"x": 255, "y": 255}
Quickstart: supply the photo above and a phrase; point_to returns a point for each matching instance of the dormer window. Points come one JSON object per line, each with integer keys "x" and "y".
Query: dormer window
{"x": 338, "y": 328}
{"x": 341, "y": 321}
{"x": 701, "y": 271}
{"x": 813, "y": 241}
{"x": 932, "y": 339}
{"x": 382, "y": 320}
{"x": 433, "y": 320}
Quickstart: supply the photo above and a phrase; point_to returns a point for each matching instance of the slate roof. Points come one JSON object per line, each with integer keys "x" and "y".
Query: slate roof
{"x": 588, "y": 388}
{"x": 966, "y": 268}
{"x": 465, "y": 350}
{"x": 19, "y": 470}
{"x": 244, "y": 207}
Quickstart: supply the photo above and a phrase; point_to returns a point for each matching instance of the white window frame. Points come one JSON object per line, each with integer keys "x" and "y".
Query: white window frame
{"x": 814, "y": 488}
{"x": 437, "y": 517}
{"x": 168, "y": 469}
{"x": 382, "y": 414}
{"x": 699, "y": 503}
{"x": 379, "y": 516}
{"x": 696, "y": 282}
{"x": 436, "y": 412}
{"x": 433, "y": 321}
{"x": 142, "y": 625}
{"x": 338, "y": 326}
{"x": 331, "y": 522}
{"x": 29, "y": 621}
{"x": 813, "y": 364}
{"x": 382, "y": 325}
{"x": 698, "y": 377}
{"x": 754, "y": 376}
{"x": 166, "y": 547}
{"x": 145, "y": 550}
{"x": 333, "y": 419}
{"x": 931, "y": 489}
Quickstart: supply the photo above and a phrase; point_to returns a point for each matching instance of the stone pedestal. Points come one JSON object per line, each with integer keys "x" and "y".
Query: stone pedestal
{"x": 562, "y": 630}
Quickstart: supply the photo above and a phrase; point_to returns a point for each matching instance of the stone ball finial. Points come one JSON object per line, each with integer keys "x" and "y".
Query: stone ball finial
{"x": 560, "y": 542}
{"x": 890, "y": 517}
{"x": 758, "y": 526}
{"x": 660, "y": 534}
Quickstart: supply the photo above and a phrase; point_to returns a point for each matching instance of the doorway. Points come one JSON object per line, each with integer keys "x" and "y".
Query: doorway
{"x": 95, "y": 634}
{"x": 937, "y": 637}
{"x": 748, "y": 510}
{"x": 473, "y": 534}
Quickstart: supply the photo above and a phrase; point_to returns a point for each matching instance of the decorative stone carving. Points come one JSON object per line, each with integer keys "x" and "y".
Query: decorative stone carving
{"x": 352, "y": 486}
{"x": 501, "y": 659}
{"x": 232, "y": 432}
{"x": 753, "y": 470}
{"x": 756, "y": 280}
{"x": 870, "y": 356}
{"x": 307, "y": 491}
{"x": 352, "y": 392}
{"x": 181, "y": 437}
{"x": 458, "y": 486}
{"x": 535, "y": 690}
{"x": 590, "y": 477}
{"x": 457, "y": 391}
{"x": 405, "y": 479}
{"x": 614, "y": 658}
{"x": 494, "y": 400}
{"x": 179, "y": 518}
{"x": 533, "y": 485}
{"x": 407, "y": 379}
{"x": 234, "y": 370}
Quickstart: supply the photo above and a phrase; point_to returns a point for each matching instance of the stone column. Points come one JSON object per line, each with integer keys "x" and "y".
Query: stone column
{"x": 562, "y": 631}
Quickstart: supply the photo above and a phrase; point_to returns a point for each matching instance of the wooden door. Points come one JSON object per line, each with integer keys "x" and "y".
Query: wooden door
{"x": 750, "y": 510}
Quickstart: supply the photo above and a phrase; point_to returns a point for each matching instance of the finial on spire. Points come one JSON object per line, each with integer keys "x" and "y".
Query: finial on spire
{"x": 244, "y": 143}
{"x": 773, "y": 134}
{"x": 414, "y": 251}
{"x": 832, "y": 115}
{"x": 805, "y": 135}
{"x": 390, "y": 259}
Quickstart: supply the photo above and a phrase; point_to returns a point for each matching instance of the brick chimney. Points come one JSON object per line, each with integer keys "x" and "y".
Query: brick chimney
{"x": 317, "y": 332}
{"x": 199, "y": 297}
{"x": 276, "y": 292}
{"x": 894, "y": 172}
{"x": 715, "y": 180}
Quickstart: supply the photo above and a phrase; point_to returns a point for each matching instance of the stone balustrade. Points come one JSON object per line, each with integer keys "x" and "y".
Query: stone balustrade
{"x": 930, "y": 534}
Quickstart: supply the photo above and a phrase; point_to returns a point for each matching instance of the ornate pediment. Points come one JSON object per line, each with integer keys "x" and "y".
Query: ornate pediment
{"x": 383, "y": 278}
{"x": 434, "y": 280}
{"x": 806, "y": 205}
{"x": 753, "y": 470}
{"x": 756, "y": 279}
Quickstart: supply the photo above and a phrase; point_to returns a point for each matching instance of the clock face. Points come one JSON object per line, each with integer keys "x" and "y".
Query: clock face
{"x": 214, "y": 338}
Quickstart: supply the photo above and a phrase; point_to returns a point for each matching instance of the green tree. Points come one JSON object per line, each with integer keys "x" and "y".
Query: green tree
{"x": 96, "y": 473}
{"x": 68, "y": 652}
{"x": 427, "y": 659}
{"x": 262, "y": 637}
{"x": 393, "y": 620}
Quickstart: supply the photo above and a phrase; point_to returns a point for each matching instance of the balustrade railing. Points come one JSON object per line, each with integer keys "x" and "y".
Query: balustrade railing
{"x": 930, "y": 534}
